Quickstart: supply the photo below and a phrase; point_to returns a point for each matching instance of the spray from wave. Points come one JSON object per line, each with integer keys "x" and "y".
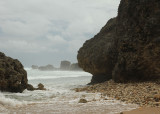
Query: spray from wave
{"x": 11, "y": 102}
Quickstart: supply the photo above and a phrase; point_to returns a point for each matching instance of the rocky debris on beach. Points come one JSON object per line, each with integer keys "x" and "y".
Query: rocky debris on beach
{"x": 141, "y": 93}
{"x": 128, "y": 47}
{"x": 12, "y": 74}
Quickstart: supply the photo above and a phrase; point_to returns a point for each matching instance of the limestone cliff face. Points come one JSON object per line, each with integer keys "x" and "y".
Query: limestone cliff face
{"x": 13, "y": 77}
{"x": 128, "y": 46}
{"x": 97, "y": 54}
{"x": 138, "y": 37}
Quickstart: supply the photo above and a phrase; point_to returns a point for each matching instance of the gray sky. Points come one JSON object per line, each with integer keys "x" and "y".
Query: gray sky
{"x": 47, "y": 31}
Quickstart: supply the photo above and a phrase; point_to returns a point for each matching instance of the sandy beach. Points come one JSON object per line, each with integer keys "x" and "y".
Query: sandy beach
{"x": 95, "y": 107}
{"x": 145, "y": 110}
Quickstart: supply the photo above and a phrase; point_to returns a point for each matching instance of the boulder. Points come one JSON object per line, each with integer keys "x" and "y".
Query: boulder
{"x": 82, "y": 100}
{"x": 40, "y": 87}
{"x": 31, "y": 88}
{"x": 65, "y": 65}
{"x": 128, "y": 47}
{"x": 12, "y": 74}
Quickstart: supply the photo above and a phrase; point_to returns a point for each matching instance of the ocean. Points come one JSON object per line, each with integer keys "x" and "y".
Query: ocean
{"x": 59, "y": 98}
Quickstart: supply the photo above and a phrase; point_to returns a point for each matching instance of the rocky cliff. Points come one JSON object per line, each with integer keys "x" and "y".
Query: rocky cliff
{"x": 13, "y": 77}
{"x": 128, "y": 47}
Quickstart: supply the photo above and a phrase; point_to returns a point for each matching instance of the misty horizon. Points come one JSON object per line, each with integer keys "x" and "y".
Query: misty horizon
{"x": 40, "y": 32}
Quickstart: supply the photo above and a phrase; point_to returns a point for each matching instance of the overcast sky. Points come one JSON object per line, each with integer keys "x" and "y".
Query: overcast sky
{"x": 45, "y": 32}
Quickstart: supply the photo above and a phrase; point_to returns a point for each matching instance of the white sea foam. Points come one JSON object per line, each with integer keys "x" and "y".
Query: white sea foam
{"x": 59, "y": 93}
{"x": 44, "y": 75}
{"x": 11, "y": 102}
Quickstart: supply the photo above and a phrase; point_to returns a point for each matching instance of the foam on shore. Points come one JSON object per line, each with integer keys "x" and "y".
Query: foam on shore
{"x": 11, "y": 102}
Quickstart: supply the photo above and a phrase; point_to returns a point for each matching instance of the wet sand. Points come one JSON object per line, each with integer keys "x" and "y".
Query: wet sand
{"x": 146, "y": 110}
{"x": 92, "y": 107}
{"x": 49, "y": 108}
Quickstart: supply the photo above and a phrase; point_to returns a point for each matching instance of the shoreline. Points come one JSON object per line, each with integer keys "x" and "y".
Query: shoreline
{"x": 145, "y": 94}
{"x": 91, "y": 107}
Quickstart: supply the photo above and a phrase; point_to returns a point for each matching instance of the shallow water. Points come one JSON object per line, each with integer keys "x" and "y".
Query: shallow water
{"x": 59, "y": 98}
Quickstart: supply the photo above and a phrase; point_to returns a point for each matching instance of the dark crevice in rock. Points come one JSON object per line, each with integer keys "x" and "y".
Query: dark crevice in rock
{"x": 100, "y": 78}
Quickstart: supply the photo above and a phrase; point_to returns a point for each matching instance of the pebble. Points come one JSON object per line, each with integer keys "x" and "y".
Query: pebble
{"x": 82, "y": 101}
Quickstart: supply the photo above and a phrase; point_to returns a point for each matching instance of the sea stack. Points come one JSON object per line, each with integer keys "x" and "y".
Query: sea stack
{"x": 13, "y": 77}
{"x": 128, "y": 47}
{"x": 65, "y": 65}
{"x": 34, "y": 67}
{"x": 46, "y": 68}
{"x": 75, "y": 67}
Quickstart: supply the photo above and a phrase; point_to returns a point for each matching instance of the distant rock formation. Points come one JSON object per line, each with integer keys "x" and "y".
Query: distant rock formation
{"x": 13, "y": 77}
{"x": 75, "y": 67}
{"x": 128, "y": 47}
{"x": 34, "y": 67}
{"x": 65, "y": 65}
{"x": 46, "y": 68}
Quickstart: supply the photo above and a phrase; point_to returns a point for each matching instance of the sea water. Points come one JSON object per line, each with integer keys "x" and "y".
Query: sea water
{"x": 59, "y": 98}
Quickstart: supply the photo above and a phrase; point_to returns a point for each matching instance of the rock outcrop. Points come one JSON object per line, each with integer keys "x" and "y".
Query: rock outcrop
{"x": 40, "y": 87}
{"x": 138, "y": 37}
{"x": 97, "y": 56}
{"x": 65, "y": 65}
{"x": 75, "y": 67}
{"x": 31, "y": 88}
{"x": 128, "y": 46}
{"x": 34, "y": 67}
{"x": 13, "y": 77}
{"x": 46, "y": 68}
